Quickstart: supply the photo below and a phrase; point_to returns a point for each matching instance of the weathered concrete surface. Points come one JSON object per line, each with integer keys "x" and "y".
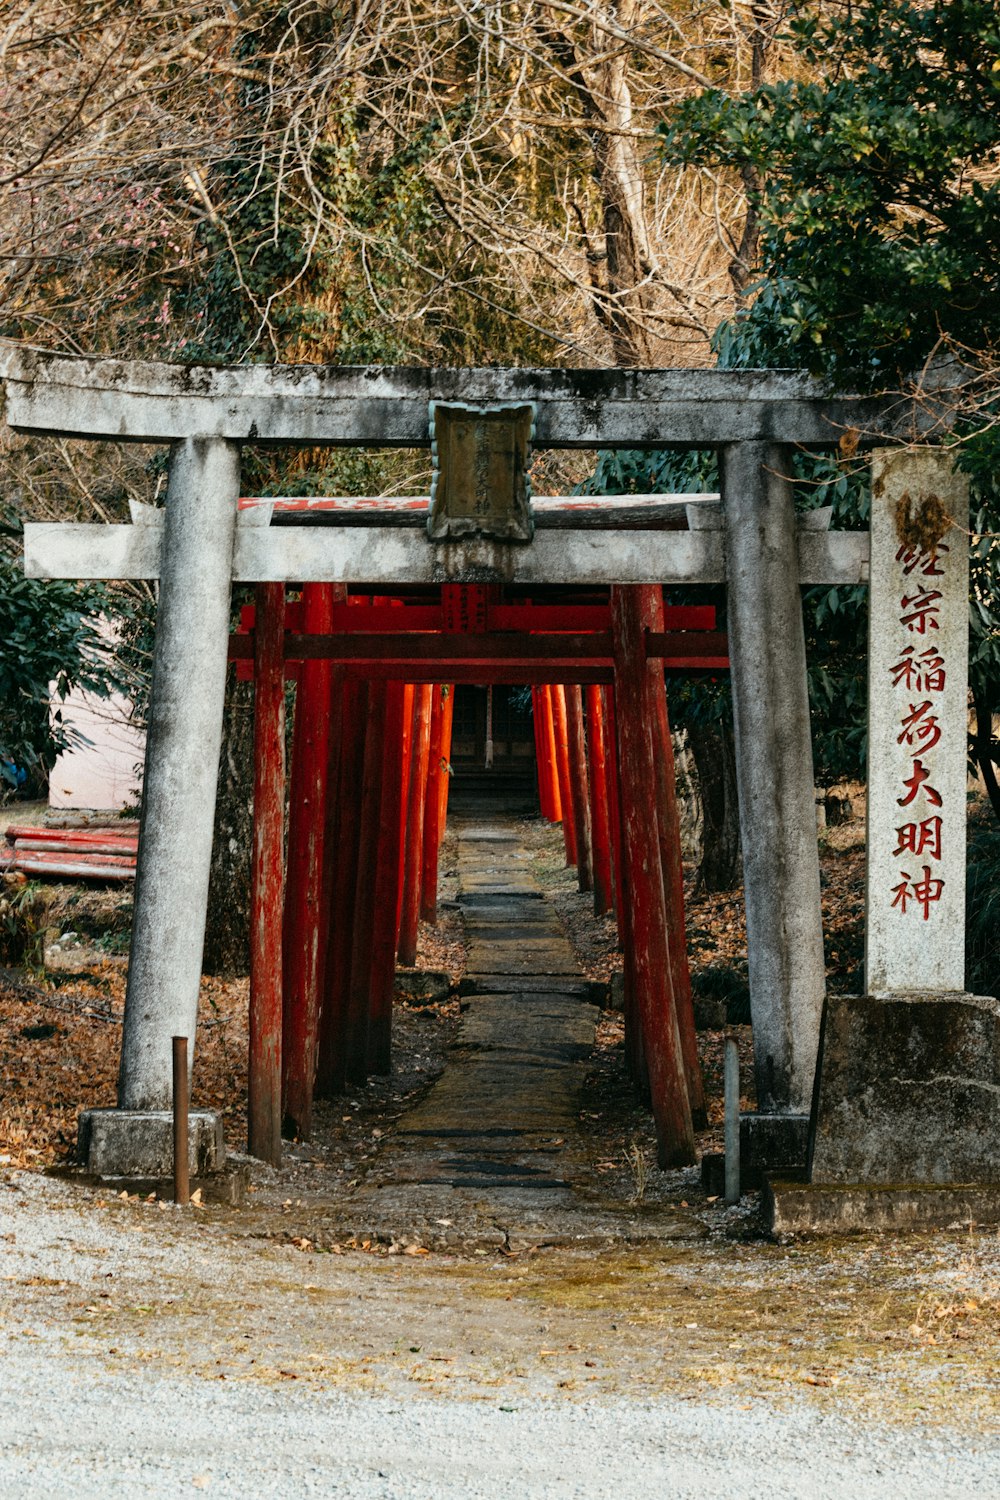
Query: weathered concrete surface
{"x": 918, "y": 652}
{"x": 908, "y": 1090}
{"x": 775, "y": 774}
{"x": 391, "y": 554}
{"x": 182, "y": 758}
{"x": 820, "y": 1209}
{"x": 140, "y": 1143}
{"x": 143, "y": 401}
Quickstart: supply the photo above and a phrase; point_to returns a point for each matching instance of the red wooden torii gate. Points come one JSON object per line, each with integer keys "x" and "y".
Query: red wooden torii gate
{"x": 368, "y": 799}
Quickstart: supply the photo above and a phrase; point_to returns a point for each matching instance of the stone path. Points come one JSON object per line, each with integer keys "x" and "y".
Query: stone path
{"x": 501, "y": 1114}
{"x": 495, "y": 1146}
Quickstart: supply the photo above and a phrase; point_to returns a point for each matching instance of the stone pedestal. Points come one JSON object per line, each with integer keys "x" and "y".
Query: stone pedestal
{"x": 140, "y": 1142}
{"x": 908, "y": 1090}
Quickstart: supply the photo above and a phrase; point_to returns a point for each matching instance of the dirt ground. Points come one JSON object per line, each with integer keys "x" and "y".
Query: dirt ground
{"x": 905, "y": 1332}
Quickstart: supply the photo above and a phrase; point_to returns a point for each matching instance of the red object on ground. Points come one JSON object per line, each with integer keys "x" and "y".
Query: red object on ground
{"x": 267, "y": 878}
{"x": 118, "y": 837}
{"x": 577, "y": 744}
{"x": 417, "y": 804}
{"x": 651, "y": 960}
{"x": 600, "y": 824}
{"x": 557, "y": 698}
{"x": 304, "y": 926}
{"x": 71, "y": 864}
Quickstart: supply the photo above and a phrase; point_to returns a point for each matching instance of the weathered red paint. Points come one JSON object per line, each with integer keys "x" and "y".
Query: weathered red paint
{"x": 304, "y": 923}
{"x": 577, "y": 745}
{"x": 557, "y": 697}
{"x": 431, "y": 837}
{"x": 343, "y": 885}
{"x": 417, "y": 803}
{"x": 600, "y": 823}
{"x": 388, "y": 881}
{"x": 653, "y": 986}
{"x": 267, "y": 878}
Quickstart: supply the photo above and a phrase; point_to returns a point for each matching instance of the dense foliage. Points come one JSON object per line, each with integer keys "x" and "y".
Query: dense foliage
{"x": 875, "y": 182}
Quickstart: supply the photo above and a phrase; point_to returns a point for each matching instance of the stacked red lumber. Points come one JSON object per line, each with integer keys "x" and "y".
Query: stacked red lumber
{"x": 72, "y": 853}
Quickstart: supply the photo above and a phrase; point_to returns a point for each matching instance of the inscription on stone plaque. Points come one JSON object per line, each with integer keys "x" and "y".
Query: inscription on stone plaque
{"x": 480, "y": 485}
{"x": 917, "y": 723}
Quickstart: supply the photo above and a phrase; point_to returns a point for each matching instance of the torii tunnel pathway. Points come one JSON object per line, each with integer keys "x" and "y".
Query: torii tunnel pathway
{"x": 496, "y": 1144}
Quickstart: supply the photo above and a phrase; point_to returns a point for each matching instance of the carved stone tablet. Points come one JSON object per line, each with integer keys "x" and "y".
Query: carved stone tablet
{"x": 480, "y": 485}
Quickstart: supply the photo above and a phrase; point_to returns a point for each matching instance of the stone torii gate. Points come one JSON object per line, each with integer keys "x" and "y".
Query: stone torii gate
{"x": 200, "y": 543}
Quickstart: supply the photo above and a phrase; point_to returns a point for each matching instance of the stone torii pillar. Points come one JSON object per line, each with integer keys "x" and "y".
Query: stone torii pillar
{"x": 178, "y": 807}
{"x": 776, "y": 794}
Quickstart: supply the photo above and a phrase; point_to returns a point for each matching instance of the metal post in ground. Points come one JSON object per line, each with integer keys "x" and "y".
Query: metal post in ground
{"x": 182, "y": 1104}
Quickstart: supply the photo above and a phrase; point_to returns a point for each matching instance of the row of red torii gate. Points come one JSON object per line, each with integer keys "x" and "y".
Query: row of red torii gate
{"x": 481, "y": 582}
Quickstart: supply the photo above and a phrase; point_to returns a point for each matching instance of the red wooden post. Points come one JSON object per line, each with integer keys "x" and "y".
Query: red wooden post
{"x": 634, "y": 1054}
{"x": 417, "y": 802}
{"x": 388, "y": 879}
{"x": 444, "y": 785}
{"x": 654, "y": 991}
{"x": 600, "y": 823}
{"x": 343, "y": 886}
{"x": 541, "y": 761}
{"x": 304, "y": 924}
{"x": 614, "y": 801}
{"x": 558, "y": 698}
{"x": 409, "y": 719}
{"x": 431, "y": 838}
{"x": 359, "y": 992}
{"x": 672, "y": 862}
{"x": 577, "y": 745}
{"x": 267, "y": 876}
{"x": 551, "y": 753}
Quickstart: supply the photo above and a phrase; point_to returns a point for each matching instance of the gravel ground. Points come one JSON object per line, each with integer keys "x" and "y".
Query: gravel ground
{"x": 67, "y": 1433}
{"x": 160, "y": 1352}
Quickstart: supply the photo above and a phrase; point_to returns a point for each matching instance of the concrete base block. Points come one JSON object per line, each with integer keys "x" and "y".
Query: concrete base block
{"x": 907, "y": 1091}
{"x": 140, "y": 1143}
{"x": 775, "y": 1144}
{"x": 816, "y": 1209}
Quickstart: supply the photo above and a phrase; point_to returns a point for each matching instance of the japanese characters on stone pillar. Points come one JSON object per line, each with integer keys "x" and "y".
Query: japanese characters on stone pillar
{"x": 917, "y": 723}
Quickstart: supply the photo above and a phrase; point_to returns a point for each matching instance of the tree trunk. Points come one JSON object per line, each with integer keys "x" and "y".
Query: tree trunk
{"x": 227, "y": 935}
{"x": 715, "y": 762}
